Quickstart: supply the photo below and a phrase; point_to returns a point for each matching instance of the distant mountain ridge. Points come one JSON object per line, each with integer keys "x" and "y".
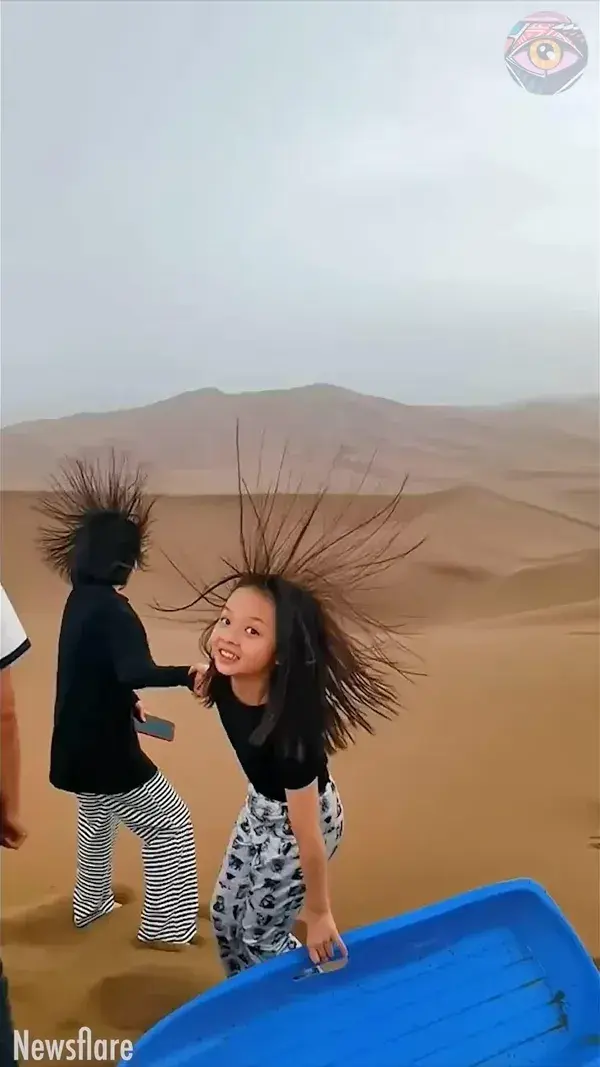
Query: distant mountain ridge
{"x": 187, "y": 441}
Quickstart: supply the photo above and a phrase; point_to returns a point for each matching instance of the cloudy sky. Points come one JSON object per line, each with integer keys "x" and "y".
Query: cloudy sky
{"x": 262, "y": 194}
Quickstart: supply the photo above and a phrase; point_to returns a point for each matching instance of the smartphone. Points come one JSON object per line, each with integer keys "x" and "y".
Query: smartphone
{"x": 155, "y": 727}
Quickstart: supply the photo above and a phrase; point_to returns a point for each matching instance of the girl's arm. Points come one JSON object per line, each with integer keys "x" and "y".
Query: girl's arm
{"x": 130, "y": 653}
{"x": 304, "y": 815}
{"x": 305, "y": 819}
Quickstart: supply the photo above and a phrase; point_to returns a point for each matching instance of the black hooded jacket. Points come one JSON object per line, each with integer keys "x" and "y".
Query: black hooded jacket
{"x": 103, "y": 658}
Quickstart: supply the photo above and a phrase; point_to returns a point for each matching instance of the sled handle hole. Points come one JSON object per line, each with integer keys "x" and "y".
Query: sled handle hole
{"x": 321, "y": 968}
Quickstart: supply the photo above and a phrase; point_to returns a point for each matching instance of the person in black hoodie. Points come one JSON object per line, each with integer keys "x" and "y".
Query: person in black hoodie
{"x": 95, "y": 533}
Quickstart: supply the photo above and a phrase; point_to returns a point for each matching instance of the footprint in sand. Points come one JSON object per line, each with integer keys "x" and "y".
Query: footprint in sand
{"x": 136, "y": 1000}
{"x": 49, "y": 923}
{"x": 204, "y": 912}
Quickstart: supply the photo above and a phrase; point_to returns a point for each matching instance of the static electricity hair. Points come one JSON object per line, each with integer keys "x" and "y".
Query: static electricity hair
{"x": 335, "y": 661}
{"x": 96, "y": 520}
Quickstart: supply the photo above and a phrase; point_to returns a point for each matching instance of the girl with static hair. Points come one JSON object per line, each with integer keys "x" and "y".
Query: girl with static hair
{"x": 295, "y": 667}
{"x": 95, "y": 533}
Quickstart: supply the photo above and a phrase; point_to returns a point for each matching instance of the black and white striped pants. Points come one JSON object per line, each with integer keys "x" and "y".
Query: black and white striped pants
{"x": 158, "y": 815}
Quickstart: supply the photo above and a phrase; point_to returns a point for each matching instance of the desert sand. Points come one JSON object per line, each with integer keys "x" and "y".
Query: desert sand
{"x": 490, "y": 772}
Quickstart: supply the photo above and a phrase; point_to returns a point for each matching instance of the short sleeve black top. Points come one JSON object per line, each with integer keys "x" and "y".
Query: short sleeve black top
{"x": 103, "y": 658}
{"x": 270, "y": 772}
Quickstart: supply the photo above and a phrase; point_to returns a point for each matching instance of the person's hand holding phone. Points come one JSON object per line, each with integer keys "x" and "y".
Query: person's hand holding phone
{"x": 139, "y": 710}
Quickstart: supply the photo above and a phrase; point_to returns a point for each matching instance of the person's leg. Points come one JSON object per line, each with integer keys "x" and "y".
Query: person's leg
{"x": 7, "y": 1039}
{"x": 156, "y": 813}
{"x": 278, "y": 889}
{"x": 231, "y": 892}
{"x": 96, "y": 829}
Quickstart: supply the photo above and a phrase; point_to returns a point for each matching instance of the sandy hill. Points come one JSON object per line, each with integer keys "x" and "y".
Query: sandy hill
{"x": 188, "y": 444}
{"x": 483, "y": 556}
{"x": 506, "y": 498}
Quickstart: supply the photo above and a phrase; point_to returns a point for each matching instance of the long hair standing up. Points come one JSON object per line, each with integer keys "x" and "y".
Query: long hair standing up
{"x": 335, "y": 661}
{"x": 96, "y": 519}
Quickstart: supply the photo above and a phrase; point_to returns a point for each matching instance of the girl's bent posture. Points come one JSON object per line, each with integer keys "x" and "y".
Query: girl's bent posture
{"x": 295, "y": 666}
{"x": 95, "y": 534}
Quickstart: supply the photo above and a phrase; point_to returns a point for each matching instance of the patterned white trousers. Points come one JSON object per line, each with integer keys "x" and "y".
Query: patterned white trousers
{"x": 156, "y": 813}
{"x": 260, "y": 889}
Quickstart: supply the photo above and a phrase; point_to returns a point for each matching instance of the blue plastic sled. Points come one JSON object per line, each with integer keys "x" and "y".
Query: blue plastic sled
{"x": 495, "y": 977}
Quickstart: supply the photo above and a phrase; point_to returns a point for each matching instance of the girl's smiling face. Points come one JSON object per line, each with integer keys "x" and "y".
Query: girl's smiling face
{"x": 243, "y": 642}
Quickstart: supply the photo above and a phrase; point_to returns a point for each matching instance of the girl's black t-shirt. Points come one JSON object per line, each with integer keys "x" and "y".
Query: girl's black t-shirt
{"x": 270, "y": 772}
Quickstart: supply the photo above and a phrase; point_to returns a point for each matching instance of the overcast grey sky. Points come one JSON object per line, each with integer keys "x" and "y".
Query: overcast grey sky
{"x": 261, "y": 194}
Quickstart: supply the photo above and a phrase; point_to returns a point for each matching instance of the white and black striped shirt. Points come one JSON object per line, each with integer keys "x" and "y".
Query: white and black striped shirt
{"x": 14, "y": 642}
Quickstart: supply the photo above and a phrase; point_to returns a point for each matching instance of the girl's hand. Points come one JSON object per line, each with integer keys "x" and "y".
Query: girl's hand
{"x": 198, "y": 670}
{"x": 322, "y": 936}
